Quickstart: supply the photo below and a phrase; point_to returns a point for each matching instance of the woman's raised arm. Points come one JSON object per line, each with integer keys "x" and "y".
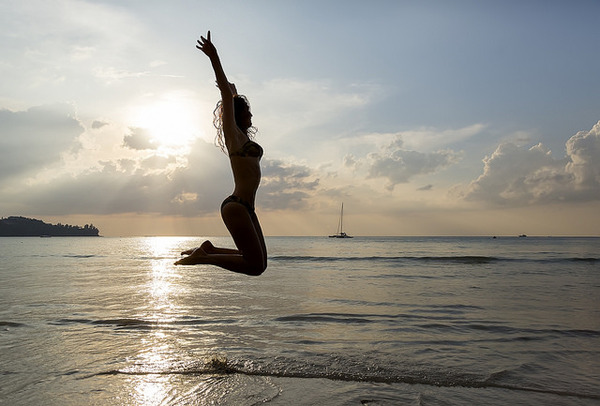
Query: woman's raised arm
{"x": 227, "y": 89}
{"x": 206, "y": 46}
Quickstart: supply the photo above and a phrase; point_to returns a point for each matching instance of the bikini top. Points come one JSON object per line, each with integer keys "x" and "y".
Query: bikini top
{"x": 249, "y": 149}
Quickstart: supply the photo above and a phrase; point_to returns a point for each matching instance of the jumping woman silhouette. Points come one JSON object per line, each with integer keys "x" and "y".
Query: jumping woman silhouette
{"x": 233, "y": 121}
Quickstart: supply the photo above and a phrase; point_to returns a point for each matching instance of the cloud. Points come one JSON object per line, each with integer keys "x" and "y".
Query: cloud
{"x": 83, "y": 35}
{"x": 157, "y": 63}
{"x": 286, "y": 185}
{"x": 139, "y": 139}
{"x": 313, "y": 100}
{"x": 149, "y": 185}
{"x": 431, "y": 138}
{"x": 111, "y": 74}
{"x": 156, "y": 162}
{"x": 516, "y": 175}
{"x": 32, "y": 139}
{"x": 350, "y": 161}
{"x": 79, "y": 53}
{"x": 96, "y": 124}
{"x": 400, "y": 165}
{"x": 583, "y": 150}
{"x": 139, "y": 180}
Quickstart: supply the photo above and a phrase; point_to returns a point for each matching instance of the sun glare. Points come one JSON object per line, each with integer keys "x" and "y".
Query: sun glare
{"x": 172, "y": 120}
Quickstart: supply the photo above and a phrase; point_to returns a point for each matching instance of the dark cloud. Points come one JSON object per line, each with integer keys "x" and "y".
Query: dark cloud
{"x": 139, "y": 139}
{"x": 399, "y": 165}
{"x": 286, "y": 185}
{"x": 516, "y": 175}
{"x": 158, "y": 184}
{"x": 109, "y": 190}
{"x": 98, "y": 124}
{"x": 127, "y": 165}
{"x": 128, "y": 186}
{"x": 32, "y": 139}
{"x": 350, "y": 161}
{"x": 157, "y": 162}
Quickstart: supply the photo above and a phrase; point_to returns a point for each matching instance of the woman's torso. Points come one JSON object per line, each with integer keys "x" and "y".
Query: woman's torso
{"x": 245, "y": 165}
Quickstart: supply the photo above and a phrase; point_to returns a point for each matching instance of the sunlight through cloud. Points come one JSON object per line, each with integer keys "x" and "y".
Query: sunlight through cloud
{"x": 171, "y": 120}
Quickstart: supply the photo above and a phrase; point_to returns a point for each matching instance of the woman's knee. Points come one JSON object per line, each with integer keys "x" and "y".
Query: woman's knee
{"x": 256, "y": 268}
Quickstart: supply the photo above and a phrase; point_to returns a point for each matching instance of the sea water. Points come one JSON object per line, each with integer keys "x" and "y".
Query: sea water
{"x": 371, "y": 321}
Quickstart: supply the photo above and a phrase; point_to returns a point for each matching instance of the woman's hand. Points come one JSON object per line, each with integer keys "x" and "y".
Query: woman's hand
{"x": 227, "y": 89}
{"x": 205, "y": 45}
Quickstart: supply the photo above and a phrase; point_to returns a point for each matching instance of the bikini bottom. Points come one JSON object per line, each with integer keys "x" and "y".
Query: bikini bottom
{"x": 235, "y": 199}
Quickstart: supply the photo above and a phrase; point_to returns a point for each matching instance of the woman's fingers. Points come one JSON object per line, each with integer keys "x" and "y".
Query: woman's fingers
{"x": 207, "y": 39}
{"x": 203, "y": 42}
{"x": 204, "y": 45}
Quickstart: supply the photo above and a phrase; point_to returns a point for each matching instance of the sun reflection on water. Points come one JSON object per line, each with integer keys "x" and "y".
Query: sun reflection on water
{"x": 152, "y": 389}
{"x": 158, "y": 352}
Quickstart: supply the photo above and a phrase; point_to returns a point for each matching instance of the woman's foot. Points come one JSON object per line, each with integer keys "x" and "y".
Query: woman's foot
{"x": 196, "y": 256}
{"x": 206, "y": 246}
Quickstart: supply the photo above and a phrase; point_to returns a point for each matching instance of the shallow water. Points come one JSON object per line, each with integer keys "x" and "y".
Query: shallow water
{"x": 418, "y": 321}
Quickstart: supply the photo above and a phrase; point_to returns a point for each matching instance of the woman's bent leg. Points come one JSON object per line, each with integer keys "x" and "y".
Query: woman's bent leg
{"x": 249, "y": 259}
{"x": 261, "y": 237}
{"x": 246, "y": 236}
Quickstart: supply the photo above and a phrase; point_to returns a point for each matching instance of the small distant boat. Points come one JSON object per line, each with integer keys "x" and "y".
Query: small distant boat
{"x": 340, "y": 231}
{"x": 522, "y": 235}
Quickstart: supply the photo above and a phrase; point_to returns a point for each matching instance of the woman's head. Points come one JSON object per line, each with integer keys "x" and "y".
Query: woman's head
{"x": 243, "y": 119}
{"x": 243, "y": 116}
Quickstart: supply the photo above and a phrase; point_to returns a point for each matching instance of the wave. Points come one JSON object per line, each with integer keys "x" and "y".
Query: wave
{"x": 436, "y": 320}
{"x": 11, "y": 324}
{"x": 75, "y": 256}
{"x": 452, "y": 318}
{"x": 143, "y": 324}
{"x": 353, "y": 372}
{"x": 461, "y": 259}
{"x": 122, "y": 323}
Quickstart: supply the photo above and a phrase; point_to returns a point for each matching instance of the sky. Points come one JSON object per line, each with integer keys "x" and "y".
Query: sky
{"x": 422, "y": 117}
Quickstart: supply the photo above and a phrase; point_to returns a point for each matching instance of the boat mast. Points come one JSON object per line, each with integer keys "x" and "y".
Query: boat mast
{"x": 340, "y": 229}
{"x": 342, "y": 220}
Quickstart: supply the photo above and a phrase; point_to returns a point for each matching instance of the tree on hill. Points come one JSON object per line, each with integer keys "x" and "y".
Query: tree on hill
{"x": 27, "y": 227}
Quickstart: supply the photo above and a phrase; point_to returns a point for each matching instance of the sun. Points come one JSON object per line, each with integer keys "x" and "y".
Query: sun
{"x": 171, "y": 120}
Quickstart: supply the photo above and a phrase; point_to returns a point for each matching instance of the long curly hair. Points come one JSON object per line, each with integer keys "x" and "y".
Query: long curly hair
{"x": 240, "y": 103}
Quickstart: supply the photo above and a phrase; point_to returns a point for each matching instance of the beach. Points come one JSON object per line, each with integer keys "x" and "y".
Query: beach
{"x": 368, "y": 320}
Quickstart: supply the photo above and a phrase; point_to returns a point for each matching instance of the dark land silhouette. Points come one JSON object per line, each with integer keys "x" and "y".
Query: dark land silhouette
{"x": 26, "y": 227}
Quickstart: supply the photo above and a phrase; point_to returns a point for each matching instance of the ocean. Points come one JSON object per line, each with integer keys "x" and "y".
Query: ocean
{"x": 362, "y": 321}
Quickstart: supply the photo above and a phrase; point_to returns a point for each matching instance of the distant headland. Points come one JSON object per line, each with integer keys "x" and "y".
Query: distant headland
{"x": 25, "y": 227}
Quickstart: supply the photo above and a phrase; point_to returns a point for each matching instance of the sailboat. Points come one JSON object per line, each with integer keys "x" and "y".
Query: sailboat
{"x": 340, "y": 231}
